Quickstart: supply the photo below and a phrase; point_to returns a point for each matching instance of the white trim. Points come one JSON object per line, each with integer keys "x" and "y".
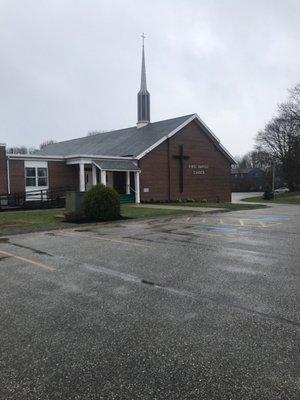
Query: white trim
{"x": 137, "y": 187}
{"x": 94, "y": 174}
{"x": 186, "y": 122}
{"x": 33, "y": 157}
{"x": 81, "y": 177}
{"x": 79, "y": 161}
{"x": 120, "y": 170}
{"x": 103, "y": 177}
{"x": 8, "y": 175}
{"x": 36, "y": 164}
{"x": 3, "y": 144}
{"x": 63, "y": 158}
{"x": 127, "y": 182}
{"x": 166, "y": 137}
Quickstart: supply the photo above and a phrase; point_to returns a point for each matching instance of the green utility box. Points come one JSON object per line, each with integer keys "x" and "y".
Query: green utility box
{"x": 74, "y": 202}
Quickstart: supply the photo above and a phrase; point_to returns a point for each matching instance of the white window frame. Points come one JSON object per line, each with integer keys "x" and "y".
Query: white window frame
{"x": 36, "y": 165}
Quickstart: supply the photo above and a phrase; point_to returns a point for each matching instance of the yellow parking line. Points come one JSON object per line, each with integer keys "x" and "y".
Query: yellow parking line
{"x": 221, "y": 221}
{"x": 27, "y": 260}
{"x": 75, "y": 234}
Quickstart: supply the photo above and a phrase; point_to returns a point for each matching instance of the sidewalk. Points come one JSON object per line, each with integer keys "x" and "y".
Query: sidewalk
{"x": 186, "y": 208}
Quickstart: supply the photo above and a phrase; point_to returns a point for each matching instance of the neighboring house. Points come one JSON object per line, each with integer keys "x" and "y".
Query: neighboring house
{"x": 178, "y": 158}
{"x": 248, "y": 180}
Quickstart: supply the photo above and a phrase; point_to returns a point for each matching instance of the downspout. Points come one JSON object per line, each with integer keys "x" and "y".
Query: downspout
{"x": 8, "y": 176}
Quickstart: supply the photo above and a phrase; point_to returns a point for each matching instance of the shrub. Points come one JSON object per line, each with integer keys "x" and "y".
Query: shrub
{"x": 268, "y": 195}
{"x": 101, "y": 203}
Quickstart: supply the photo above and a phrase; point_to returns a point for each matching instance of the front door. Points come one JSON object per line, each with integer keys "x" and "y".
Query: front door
{"x": 119, "y": 181}
{"x": 88, "y": 179}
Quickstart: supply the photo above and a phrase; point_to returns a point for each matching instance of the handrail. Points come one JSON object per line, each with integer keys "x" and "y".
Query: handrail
{"x": 33, "y": 198}
{"x": 131, "y": 188}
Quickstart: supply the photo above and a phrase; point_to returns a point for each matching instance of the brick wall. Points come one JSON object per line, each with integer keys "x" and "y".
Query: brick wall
{"x": 155, "y": 174}
{"x": 61, "y": 175}
{"x": 3, "y": 171}
{"x": 17, "y": 176}
{"x": 160, "y": 171}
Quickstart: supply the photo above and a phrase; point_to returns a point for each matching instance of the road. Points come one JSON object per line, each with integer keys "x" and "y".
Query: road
{"x": 197, "y": 307}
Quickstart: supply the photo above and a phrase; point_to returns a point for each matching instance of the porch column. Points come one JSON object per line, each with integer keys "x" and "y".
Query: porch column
{"x": 103, "y": 177}
{"x": 94, "y": 175}
{"x": 127, "y": 182}
{"x": 137, "y": 187}
{"x": 81, "y": 177}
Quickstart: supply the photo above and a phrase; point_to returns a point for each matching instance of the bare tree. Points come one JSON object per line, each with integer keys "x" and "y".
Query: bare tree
{"x": 46, "y": 143}
{"x": 17, "y": 150}
{"x": 255, "y": 159}
{"x": 281, "y": 138}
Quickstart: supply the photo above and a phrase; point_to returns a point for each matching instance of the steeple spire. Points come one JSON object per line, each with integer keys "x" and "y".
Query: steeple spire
{"x": 143, "y": 95}
{"x": 143, "y": 74}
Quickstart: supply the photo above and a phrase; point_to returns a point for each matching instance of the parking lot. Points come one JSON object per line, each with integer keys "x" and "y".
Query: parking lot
{"x": 190, "y": 307}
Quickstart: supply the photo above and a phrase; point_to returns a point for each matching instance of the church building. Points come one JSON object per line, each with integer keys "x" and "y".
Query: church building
{"x": 177, "y": 158}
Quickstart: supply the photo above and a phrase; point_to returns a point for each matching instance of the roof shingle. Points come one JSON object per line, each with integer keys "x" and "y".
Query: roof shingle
{"x": 128, "y": 142}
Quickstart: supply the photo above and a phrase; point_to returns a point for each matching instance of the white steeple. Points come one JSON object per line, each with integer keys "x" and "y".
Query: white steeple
{"x": 143, "y": 96}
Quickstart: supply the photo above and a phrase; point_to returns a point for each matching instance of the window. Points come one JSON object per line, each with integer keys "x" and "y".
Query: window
{"x": 36, "y": 177}
{"x": 42, "y": 177}
{"x": 30, "y": 177}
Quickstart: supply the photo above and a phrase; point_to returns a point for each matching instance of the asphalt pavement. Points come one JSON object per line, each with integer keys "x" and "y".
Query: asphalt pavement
{"x": 191, "y": 307}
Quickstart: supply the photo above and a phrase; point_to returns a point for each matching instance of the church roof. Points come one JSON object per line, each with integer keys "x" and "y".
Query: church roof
{"x": 130, "y": 142}
{"x": 116, "y": 165}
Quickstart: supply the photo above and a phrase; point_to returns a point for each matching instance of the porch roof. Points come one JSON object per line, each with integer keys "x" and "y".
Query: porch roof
{"x": 116, "y": 165}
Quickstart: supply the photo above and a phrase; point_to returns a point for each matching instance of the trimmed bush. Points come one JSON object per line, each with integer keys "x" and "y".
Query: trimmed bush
{"x": 101, "y": 203}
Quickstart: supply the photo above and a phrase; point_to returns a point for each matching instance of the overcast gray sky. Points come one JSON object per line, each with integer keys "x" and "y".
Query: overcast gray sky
{"x": 71, "y": 66}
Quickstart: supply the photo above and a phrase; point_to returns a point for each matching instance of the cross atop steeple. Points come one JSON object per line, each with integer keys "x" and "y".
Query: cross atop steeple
{"x": 143, "y": 94}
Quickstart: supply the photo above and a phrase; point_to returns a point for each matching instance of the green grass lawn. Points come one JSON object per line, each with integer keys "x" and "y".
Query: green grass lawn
{"x": 12, "y": 222}
{"x": 285, "y": 198}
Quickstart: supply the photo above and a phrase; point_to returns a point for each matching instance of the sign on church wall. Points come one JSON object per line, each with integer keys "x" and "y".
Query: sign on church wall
{"x": 198, "y": 169}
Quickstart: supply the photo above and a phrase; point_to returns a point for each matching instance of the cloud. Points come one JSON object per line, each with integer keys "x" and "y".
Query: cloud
{"x": 72, "y": 66}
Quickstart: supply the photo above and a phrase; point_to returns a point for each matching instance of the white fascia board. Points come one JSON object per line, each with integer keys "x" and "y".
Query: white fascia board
{"x": 62, "y": 158}
{"x": 213, "y": 136}
{"x": 226, "y": 152}
{"x": 79, "y": 160}
{"x": 116, "y": 170}
{"x": 2, "y": 145}
{"x": 89, "y": 159}
{"x": 179, "y": 127}
{"x": 202, "y": 125}
{"x": 34, "y": 157}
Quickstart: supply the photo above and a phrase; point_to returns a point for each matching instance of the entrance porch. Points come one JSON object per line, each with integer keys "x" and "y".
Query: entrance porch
{"x": 122, "y": 175}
